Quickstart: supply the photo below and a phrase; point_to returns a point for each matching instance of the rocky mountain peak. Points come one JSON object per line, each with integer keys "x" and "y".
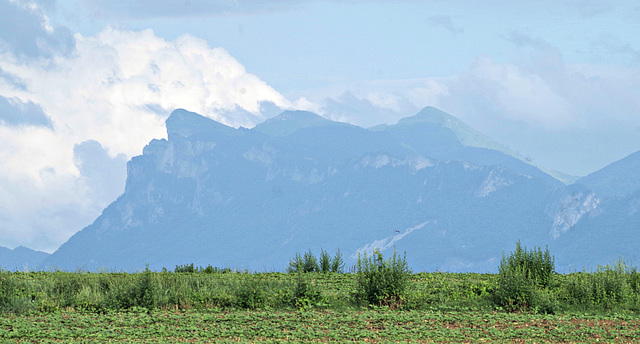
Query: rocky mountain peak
{"x": 185, "y": 123}
{"x": 432, "y": 115}
{"x": 292, "y": 121}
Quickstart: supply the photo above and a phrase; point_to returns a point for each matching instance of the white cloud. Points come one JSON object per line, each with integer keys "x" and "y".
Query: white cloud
{"x": 572, "y": 117}
{"x": 537, "y": 90}
{"x": 14, "y": 112}
{"x": 111, "y": 93}
{"x": 517, "y": 95}
{"x": 374, "y": 102}
{"x": 74, "y": 97}
{"x": 25, "y": 31}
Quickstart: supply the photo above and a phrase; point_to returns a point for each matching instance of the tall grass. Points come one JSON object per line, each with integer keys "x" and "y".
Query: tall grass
{"x": 610, "y": 288}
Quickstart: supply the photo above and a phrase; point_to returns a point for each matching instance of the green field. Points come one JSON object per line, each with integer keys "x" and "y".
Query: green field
{"x": 223, "y": 306}
{"x": 368, "y": 325}
{"x": 382, "y": 301}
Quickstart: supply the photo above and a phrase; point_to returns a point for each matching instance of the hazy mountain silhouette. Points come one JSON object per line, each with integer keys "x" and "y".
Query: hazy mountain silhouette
{"x": 21, "y": 258}
{"x": 429, "y": 185}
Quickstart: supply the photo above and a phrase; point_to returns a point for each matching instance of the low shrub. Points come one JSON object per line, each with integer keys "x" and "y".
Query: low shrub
{"x": 520, "y": 276}
{"x": 381, "y": 282}
{"x": 609, "y": 287}
{"x": 187, "y": 268}
{"x": 250, "y": 295}
{"x": 139, "y": 291}
{"x": 305, "y": 295}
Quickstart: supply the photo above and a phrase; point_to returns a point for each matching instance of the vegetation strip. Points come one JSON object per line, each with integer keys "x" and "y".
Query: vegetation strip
{"x": 380, "y": 325}
{"x": 382, "y": 301}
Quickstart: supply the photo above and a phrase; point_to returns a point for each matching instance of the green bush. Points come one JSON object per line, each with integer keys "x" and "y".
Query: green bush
{"x": 514, "y": 291}
{"x": 190, "y": 268}
{"x": 381, "y": 282}
{"x": 251, "y": 295}
{"x": 309, "y": 263}
{"x": 185, "y": 268}
{"x": 608, "y": 287}
{"x": 215, "y": 270}
{"x": 305, "y": 295}
{"x": 634, "y": 280}
{"x": 138, "y": 291}
{"x": 520, "y": 276}
{"x": 544, "y": 301}
{"x": 90, "y": 300}
{"x": 534, "y": 265}
{"x": 6, "y": 288}
{"x": 577, "y": 289}
{"x": 15, "y": 296}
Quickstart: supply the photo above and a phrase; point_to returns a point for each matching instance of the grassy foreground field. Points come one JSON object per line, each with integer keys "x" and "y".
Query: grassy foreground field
{"x": 269, "y": 326}
{"x": 222, "y": 306}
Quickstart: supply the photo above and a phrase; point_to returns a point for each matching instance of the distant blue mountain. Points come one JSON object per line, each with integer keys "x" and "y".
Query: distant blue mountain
{"x": 252, "y": 198}
{"x": 612, "y": 229}
{"x": 21, "y": 259}
{"x": 619, "y": 179}
{"x": 289, "y": 122}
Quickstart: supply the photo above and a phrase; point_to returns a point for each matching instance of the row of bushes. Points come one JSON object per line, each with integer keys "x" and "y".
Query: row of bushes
{"x": 22, "y": 293}
{"x": 309, "y": 263}
{"x": 189, "y": 268}
{"x": 526, "y": 281}
{"x": 378, "y": 282}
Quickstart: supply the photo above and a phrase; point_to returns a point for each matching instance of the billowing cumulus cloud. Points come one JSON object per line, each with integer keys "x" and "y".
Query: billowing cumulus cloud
{"x": 558, "y": 113}
{"x": 74, "y": 108}
{"x": 14, "y": 112}
{"x": 505, "y": 90}
{"x": 541, "y": 90}
{"x": 375, "y": 102}
{"x": 26, "y": 31}
{"x": 118, "y": 88}
{"x": 72, "y": 114}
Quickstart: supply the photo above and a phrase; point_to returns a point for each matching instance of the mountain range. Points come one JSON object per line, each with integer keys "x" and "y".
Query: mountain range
{"x": 431, "y": 186}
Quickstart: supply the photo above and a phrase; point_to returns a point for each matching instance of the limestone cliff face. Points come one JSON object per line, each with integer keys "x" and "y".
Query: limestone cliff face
{"x": 571, "y": 207}
{"x": 252, "y": 198}
{"x": 602, "y": 215}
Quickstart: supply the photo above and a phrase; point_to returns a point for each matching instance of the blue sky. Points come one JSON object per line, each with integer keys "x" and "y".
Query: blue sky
{"x": 84, "y": 85}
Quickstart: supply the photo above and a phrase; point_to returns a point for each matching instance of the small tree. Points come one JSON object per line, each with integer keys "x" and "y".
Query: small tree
{"x": 337, "y": 264}
{"x": 521, "y": 276}
{"x": 251, "y": 295}
{"x": 305, "y": 295}
{"x": 535, "y": 266}
{"x": 325, "y": 261}
{"x": 381, "y": 282}
{"x": 295, "y": 264}
{"x": 306, "y": 263}
{"x": 310, "y": 263}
